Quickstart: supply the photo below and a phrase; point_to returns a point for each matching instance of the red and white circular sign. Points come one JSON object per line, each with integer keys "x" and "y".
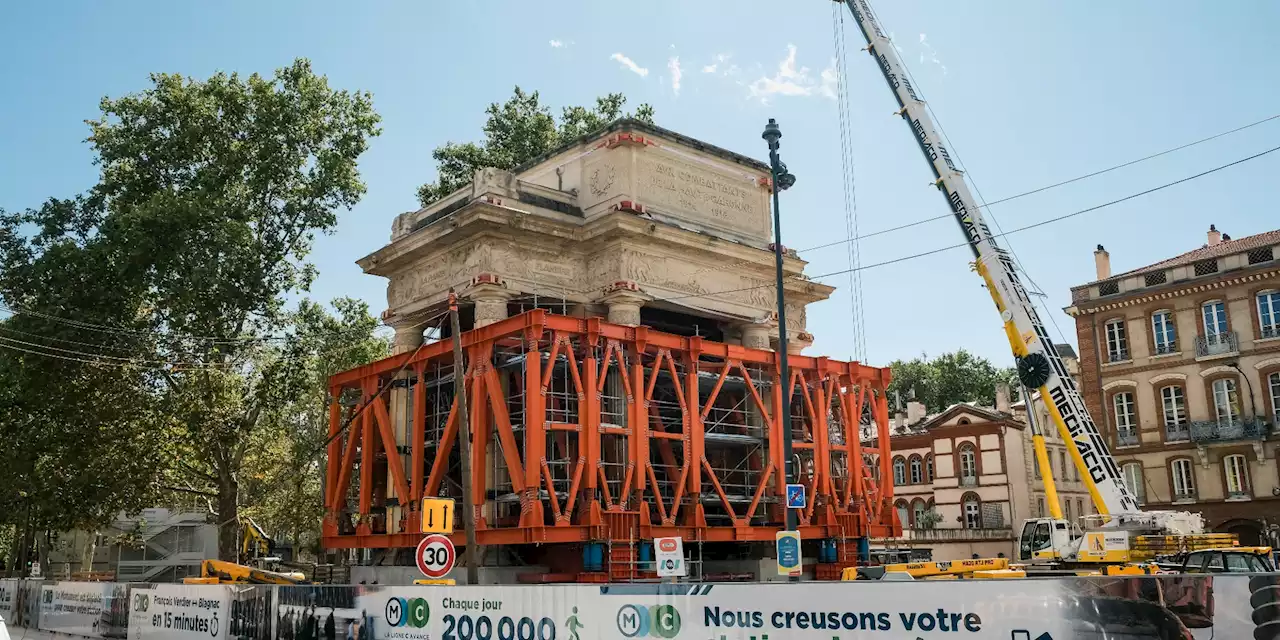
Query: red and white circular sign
{"x": 436, "y": 556}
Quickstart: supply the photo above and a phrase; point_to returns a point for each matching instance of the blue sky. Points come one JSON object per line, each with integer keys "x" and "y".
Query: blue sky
{"x": 1029, "y": 93}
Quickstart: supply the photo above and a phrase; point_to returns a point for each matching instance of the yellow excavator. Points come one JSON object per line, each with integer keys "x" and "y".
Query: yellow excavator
{"x": 222, "y": 572}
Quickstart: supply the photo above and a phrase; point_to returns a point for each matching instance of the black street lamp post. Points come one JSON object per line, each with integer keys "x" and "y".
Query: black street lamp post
{"x": 782, "y": 180}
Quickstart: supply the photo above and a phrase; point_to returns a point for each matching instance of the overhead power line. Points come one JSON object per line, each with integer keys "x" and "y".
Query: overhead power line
{"x": 1048, "y": 187}
{"x": 997, "y": 235}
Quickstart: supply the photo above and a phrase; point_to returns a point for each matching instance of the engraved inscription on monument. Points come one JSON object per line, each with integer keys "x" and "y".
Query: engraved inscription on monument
{"x": 715, "y": 199}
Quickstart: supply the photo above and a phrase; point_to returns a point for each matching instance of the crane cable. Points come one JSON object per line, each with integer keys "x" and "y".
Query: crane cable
{"x": 852, "y": 249}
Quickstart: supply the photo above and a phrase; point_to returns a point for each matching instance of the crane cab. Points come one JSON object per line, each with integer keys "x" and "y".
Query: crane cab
{"x": 1044, "y": 541}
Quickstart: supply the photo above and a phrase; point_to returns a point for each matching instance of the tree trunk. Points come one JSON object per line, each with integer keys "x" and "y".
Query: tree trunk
{"x": 228, "y": 518}
{"x": 90, "y": 547}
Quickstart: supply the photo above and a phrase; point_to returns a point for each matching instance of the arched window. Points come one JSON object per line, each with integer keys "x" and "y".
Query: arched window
{"x": 928, "y": 459}
{"x": 1117, "y": 340}
{"x": 1214, "y": 315}
{"x": 1184, "y": 480}
{"x": 1226, "y": 402}
{"x": 971, "y": 508}
{"x": 917, "y": 513}
{"x": 1125, "y": 412}
{"x": 1236, "y": 469}
{"x": 1176, "y": 426}
{"x": 1163, "y": 333}
{"x": 904, "y": 516}
{"x": 1273, "y": 391}
{"x": 899, "y": 471}
{"x": 1133, "y": 480}
{"x": 917, "y": 470}
{"x": 962, "y": 421}
{"x": 1269, "y": 314}
{"x": 968, "y": 465}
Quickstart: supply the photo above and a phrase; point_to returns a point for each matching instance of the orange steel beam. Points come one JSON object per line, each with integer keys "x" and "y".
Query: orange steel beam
{"x": 580, "y": 355}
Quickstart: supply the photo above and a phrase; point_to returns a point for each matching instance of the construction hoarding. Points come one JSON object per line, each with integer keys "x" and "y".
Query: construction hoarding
{"x": 1165, "y": 607}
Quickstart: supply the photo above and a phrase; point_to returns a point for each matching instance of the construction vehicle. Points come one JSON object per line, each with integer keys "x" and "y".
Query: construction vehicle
{"x": 1121, "y": 532}
{"x": 221, "y": 572}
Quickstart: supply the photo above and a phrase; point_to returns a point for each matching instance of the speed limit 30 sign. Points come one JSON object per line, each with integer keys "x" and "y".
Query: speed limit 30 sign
{"x": 436, "y": 556}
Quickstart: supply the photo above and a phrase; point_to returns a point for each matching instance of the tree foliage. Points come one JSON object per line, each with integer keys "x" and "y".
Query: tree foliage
{"x": 948, "y": 379}
{"x": 516, "y": 132}
{"x": 210, "y": 196}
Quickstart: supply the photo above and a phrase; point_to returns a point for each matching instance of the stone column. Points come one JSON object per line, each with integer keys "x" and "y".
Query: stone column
{"x": 757, "y": 336}
{"x": 408, "y": 335}
{"x": 624, "y": 299}
{"x": 490, "y": 295}
{"x": 798, "y": 342}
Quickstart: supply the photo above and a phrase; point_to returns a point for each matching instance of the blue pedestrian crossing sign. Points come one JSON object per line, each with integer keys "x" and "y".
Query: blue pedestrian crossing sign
{"x": 795, "y": 496}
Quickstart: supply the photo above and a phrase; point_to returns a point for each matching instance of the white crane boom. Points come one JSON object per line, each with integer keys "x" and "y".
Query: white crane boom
{"x": 1039, "y": 366}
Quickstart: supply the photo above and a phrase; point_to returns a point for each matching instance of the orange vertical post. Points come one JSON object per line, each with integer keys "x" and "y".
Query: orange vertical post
{"x": 419, "y": 438}
{"x": 334, "y": 461}
{"x": 366, "y": 455}
{"x": 535, "y": 438}
{"x": 695, "y": 451}
{"x": 777, "y": 424}
{"x": 479, "y": 414}
{"x": 882, "y": 431}
{"x": 639, "y": 420}
{"x": 589, "y": 418}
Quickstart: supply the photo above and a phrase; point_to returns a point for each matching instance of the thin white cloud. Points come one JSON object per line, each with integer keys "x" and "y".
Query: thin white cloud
{"x": 673, "y": 65}
{"x": 556, "y": 44}
{"x": 830, "y": 81}
{"x": 793, "y": 80}
{"x": 928, "y": 53}
{"x": 721, "y": 58}
{"x": 630, "y": 64}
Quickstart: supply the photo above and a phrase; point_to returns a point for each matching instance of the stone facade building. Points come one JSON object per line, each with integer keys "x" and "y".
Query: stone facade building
{"x": 633, "y": 223}
{"x": 1180, "y": 367}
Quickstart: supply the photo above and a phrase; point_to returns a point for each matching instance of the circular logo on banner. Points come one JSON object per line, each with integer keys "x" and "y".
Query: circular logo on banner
{"x": 436, "y": 556}
{"x": 411, "y": 612}
{"x": 659, "y": 621}
{"x": 667, "y": 544}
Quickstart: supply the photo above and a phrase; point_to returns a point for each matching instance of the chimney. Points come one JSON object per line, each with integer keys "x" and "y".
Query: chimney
{"x": 1226, "y": 237}
{"x": 916, "y": 412}
{"x": 1102, "y": 260}
{"x": 1002, "y": 398}
{"x": 1215, "y": 236}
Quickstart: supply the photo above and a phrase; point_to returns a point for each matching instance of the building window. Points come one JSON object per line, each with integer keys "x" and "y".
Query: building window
{"x": 1080, "y": 507}
{"x": 1040, "y": 513}
{"x": 928, "y": 467}
{"x": 968, "y": 465}
{"x": 1273, "y": 386}
{"x": 904, "y": 516}
{"x": 917, "y": 470}
{"x": 1215, "y": 322}
{"x": 1226, "y": 402}
{"x": 1066, "y": 508}
{"x": 1117, "y": 341}
{"x": 1066, "y": 468}
{"x": 1035, "y": 464}
{"x": 917, "y": 513}
{"x": 1163, "y": 332}
{"x": 971, "y": 506}
{"x": 899, "y": 471}
{"x": 1184, "y": 483}
{"x": 1133, "y": 480}
{"x": 1237, "y": 471}
{"x": 1126, "y": 419}
{"x": 1269, "y": 314}
{"x": 1176, "y": 427}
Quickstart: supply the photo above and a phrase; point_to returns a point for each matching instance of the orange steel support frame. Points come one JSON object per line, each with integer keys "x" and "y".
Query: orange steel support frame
{"x": 618, "y": 434}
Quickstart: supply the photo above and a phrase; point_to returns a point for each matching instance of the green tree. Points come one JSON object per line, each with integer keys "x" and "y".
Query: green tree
{"x": 210, "y": 196}
{"x": 947, "y": 379}
{"x": 284, "y": 474}
{"x": 516, "y": 132}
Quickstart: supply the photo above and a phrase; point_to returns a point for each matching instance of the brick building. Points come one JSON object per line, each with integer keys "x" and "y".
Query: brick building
{"x": 1180, "y": 366}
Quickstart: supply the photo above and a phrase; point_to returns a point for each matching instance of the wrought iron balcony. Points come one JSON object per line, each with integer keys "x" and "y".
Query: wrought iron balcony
{"x": 1221, "y": 344}
{"x": 1127, "y": 438}
{"x": 1272, "y": 331}
{"x": 1177, "y": 432}
{"x": 1166, "y": 349}
{"x": 1118, "y": 355}
{"x": 1208, "y": 431}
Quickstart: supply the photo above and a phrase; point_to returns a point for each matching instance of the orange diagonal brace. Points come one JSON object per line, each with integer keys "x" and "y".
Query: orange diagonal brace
{"x": 715, "y": 391}
{"x": 657, "y": 497}
{"x": 551, "y": 490}
{"x": 715, "y": 483}
{"x": 444, "y": 447}
{"x": 498, "y": 405}
{"x": 338, "y": 499}
{"x": 395, "y": 462}
{"x": 764, "y": 483}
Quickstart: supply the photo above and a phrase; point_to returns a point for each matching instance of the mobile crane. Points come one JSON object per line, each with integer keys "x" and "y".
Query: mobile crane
{"x": 1121, "y": 532}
